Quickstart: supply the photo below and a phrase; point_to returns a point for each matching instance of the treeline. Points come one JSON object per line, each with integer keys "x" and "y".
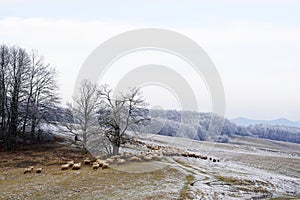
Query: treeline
{"x": 195, "y": 125}
{"x": 280, "y": 133}
{"x": 28, "y": 94}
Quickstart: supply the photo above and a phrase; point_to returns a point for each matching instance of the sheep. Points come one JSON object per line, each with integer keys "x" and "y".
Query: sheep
{"x": 87, "y": 161}
{"x": 156, "y": 157}
{"x": 70, "y": 163}
{"x": 95, "y": 165}
{"x": 192, "y": 155}
{"x": 185, "y": 154}
{"x": 203, "y": 157}
{"x": 109, "y": 160}
{"x": 28, "y": 170}
{"x": 134, "y": 159}
{"x": 140, "y": 156}
{"x": 100, "y": 162}
{"x": 76, "y": 166}
{"x": 115, "y": 157}
{"x": 120, "y": 161}
{"x": 39, "y": 170}
{"x": 197, "y": 156}
{"x": 65, "y": 167}
{"x": 147, "y": 158}
{"x": 105, "y": 166}
{"x": 126, "y": 155}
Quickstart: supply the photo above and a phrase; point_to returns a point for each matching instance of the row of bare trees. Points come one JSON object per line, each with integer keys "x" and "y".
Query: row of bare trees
{"x": 28, "y": 93}
{"x": 98, "y": 112}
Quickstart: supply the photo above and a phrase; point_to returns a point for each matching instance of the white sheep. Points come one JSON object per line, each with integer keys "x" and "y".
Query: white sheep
{"x": 121, "y": 161}
{"x": 126, "y": 155}
{"x": 100, "y": 162}
{"x": 109, "y": 160}
{"x": 87, "y": 161}
{"x": 95, "y": 165}
{"x": 147, "y": 158}
{"x": 65, "y": 167}
{"x": 134, "y": 159}
{"x": 76, "y": 166}
{"x": 39, "y": 170}
{"x": 105, "y": 165}
{"x": 28, "y": 170}
{"x": 70, "y": 163}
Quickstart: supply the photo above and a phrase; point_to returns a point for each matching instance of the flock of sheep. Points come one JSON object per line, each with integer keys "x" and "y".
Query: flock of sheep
{"x": 153, "y": 153}
{"x": 30, "y": 169}
{"x": 76, "y": 166}
{"x": 171, "y": 151}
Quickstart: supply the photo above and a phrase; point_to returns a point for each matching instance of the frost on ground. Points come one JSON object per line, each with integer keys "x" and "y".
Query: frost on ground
{"x": 248, "y": 169}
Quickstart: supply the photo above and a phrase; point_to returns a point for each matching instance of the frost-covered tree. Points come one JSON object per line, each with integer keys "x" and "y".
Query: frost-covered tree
{"x": 83, "y": 110}
{"x": 119, "y": 113}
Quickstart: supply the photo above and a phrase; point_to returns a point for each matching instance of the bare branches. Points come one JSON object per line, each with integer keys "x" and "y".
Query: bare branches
{"x": 118, "y": 114}
{"x": 83, "y": 110}
{"x": 28, "y": 91}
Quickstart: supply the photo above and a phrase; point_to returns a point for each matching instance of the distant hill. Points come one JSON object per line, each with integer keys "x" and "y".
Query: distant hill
{"x": 196, "y": 125}
{"x": 277, "y": 122}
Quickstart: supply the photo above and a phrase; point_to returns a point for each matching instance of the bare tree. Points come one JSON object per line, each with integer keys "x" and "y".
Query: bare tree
{"x": 4, "y": 64}
{"x": 41, "y": 91}
{"x": 126, "y": 111}
{"x": 83, "y": 110}
{"x": 44, "y": 100}
{"x": 19, "y": 63}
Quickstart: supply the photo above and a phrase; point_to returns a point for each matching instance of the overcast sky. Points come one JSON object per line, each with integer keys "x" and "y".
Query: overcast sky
{"x": 254, "y": 44}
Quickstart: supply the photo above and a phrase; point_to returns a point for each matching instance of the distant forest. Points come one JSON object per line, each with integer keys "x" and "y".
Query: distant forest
{"x": 172, "y": 123}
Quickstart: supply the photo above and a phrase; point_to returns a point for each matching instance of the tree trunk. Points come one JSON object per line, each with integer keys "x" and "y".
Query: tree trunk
{"x": 14, "y": 114}
{"x": 8, "y": 142}
{"x": 117, "y": 142}
{"x": 84, "y": 137}
{"x": 115, "y": 149}
{"x": 33, "y": 125}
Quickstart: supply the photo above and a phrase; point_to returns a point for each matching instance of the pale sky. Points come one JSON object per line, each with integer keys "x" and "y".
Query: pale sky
{"x": 254, "y": 44}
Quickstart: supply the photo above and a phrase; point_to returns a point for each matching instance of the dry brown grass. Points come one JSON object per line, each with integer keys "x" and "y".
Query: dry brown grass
{"x": 51, "y": 154}
{"x": 86, "y": 183}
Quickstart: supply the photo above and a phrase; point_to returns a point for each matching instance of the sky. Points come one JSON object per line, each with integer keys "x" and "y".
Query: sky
{"x": 254, "y": 45}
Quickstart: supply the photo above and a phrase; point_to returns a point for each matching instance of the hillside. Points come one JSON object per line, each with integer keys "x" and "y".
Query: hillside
{"x": 195, "y": 125}
{"x": 276, "y": 122}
